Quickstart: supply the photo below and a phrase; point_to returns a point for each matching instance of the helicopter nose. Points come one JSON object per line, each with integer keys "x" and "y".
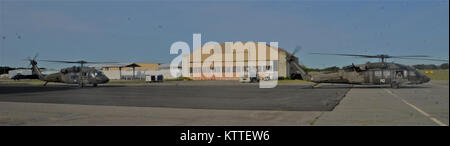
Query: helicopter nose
{"x": 105, "y": 79}
{"x": 102, "y": 79}
{"x": 426, "y": 79}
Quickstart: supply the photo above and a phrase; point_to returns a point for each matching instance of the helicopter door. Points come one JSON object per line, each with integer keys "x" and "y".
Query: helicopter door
{"x": 381, "y": 77}
{"x": 386, "y": 79}
{"x": 378, "y": 77}
{"x": 401, "y": 74}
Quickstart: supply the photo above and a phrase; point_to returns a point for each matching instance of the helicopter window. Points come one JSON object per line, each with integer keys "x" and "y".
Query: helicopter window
{"x": 93, "y": 74}
{"x": 386, "y": 73}
{"x": 378, "y": 73}
{"x": 399, "y": 74}
{"x": 363, "y": 68}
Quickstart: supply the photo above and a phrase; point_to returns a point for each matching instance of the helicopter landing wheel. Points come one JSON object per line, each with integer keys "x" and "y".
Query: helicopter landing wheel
{"x": 94, "y": 85}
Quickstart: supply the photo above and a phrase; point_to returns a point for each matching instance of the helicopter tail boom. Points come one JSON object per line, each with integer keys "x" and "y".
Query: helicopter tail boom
{"x": 304, "y": 74}
{"x": 35, "y": 69}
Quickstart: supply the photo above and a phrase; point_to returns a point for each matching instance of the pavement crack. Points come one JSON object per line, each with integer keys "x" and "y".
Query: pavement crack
{"x": 316, "y": 118}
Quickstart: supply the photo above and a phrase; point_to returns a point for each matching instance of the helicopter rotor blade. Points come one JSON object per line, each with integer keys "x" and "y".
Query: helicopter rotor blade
{"x": 79, "y": 62}
{"x": 373, "y": 56}
{"x": 353, "y": 55}
{"x": 35, "y": 56}
{"x": 430, "y": 59}
{"x": 101, "y": 62}
{"x": 60, "y": 61}
{"x": 297, "y": 48}
{"x": 410, "y": 56}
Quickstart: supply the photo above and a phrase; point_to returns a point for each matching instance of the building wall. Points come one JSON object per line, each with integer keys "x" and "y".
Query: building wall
{"x": 139, "y": 74}
{"x": 13, "y": 73}
{"x": 190, "y": 65}
{"x": 283, "y": 69}
{"x": 144, "y": 66}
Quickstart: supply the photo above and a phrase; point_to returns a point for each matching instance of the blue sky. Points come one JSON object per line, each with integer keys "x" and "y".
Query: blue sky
{"x": 142, "y": 31}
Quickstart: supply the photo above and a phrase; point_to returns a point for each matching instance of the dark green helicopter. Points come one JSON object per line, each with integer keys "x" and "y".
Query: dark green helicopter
{"x": 80, "y": 75}
{"x": 376, "y": 73}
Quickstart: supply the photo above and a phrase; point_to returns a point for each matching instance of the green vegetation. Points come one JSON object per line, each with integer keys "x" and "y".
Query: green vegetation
{"x": 431, "y": 66}
{"x": 23, "y": 82}
{"x": 437, "y": 74}
{"x": 4, "y": 69}
{"x": 179, "y": 79}
{"x": 292, "y": 81}
{"x": 126, "y": 82}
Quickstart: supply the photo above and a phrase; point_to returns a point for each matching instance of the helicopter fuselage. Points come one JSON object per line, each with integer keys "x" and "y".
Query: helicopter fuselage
{"x": 72, "y": 76}
{"x": 373, "y": 74}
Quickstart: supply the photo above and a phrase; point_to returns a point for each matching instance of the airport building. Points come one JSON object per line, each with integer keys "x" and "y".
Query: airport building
{"x": 128, "y": 71}
{"x": 192, "y": 64}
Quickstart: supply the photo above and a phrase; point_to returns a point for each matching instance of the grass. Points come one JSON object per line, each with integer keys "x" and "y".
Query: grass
{"x": 23, "y": 82}
{"x": 439, "y": 74}
{"x": 293, "y": 81}
{"x": 179, "y": 79}
{"x": 122, "y": 82}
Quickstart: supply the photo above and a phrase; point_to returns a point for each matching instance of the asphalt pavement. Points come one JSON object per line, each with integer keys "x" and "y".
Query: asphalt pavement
{"x": 214, "y": 104}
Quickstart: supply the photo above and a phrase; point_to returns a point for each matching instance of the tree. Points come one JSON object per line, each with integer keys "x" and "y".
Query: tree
{"x": 423, "y": 66}
{"x": 4, "y": 69}
{"x": 444, "y": 66}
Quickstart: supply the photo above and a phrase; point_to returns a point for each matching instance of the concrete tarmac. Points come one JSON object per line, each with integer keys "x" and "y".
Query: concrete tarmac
{"x": 412, "y": 105}
{"x": 236, "y": 97}
{"x": 232, "y": 105}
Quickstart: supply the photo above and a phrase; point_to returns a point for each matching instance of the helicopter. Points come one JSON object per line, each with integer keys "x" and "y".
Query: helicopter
{"x": 376, "y": 73}
{"x": 72, "y": 75}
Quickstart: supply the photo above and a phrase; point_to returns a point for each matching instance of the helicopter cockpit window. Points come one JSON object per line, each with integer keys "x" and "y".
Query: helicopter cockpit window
{"x": 93, "y": 74}
{"x": 362, "y": 68}
{"x": 399, "y": 74}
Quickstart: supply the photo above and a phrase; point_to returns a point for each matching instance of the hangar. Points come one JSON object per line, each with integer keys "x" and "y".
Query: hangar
{"x": 191, "y": 63}
{"x": 129, "y": 71}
